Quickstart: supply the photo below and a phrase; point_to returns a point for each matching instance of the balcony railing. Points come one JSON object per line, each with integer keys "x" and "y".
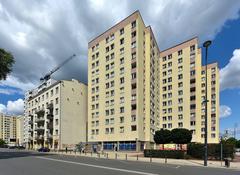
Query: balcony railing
{"x": 40, "y": 119}
{"x": 39, "y": 137}
{"x": 40, "y": 113}
{"x": 50, "y": 106}
{"x": 38, "y": 128}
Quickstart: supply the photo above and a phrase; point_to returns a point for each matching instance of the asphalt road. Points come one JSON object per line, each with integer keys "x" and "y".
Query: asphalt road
{"x": 14, "y": 162}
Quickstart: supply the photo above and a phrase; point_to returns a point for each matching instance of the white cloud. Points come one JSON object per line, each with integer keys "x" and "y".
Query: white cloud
{"x": 15, "y": 82}
{"x": 13, "y": 107}
{"x": 2, "y": 108}
{"x": 9, "y": 91}
{"x": 48, "y": 31}
{"x": 230, "y": 74}
{"x": 225, "y": 111}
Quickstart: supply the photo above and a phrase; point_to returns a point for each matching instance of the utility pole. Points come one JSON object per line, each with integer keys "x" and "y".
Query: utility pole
{"x": 206, "y": 44}
{"x": 235, "y": 130}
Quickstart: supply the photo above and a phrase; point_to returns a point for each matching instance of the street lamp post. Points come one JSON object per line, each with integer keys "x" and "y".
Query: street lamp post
{"x": 206, "y": 44}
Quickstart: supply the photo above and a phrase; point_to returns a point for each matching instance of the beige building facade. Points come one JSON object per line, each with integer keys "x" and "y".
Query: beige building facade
{"x": 56, "y": 115}
{"x": 183, "y": 91}
{"x": 11, "y": 129}
{"x": 123, "y": 86}
{"x": 135, "y": 89}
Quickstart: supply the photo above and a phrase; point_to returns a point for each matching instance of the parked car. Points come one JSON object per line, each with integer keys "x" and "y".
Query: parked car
{"x": 20, "y": 147}
{"x": 43, "y": 149}
{"x": 12, "y": 147}
{"x": 3, "y": 146}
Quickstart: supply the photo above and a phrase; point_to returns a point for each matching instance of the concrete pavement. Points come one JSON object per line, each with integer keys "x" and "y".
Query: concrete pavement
{"x": 32, "y": 163}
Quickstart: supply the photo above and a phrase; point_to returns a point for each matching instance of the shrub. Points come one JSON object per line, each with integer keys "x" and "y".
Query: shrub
{"x": 196, "y": 150}
{"x": 175, "y": 154}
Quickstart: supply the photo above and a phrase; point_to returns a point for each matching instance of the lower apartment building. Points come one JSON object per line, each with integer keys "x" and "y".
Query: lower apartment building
{"x": 135, "y": 89}
{"x": 11, "y": 129}
{"x": 56, "y": 115}
{"x": 182, "y": 89}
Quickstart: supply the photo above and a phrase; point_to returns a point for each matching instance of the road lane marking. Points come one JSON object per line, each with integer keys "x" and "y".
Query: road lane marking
{"x": 98, "y": 166}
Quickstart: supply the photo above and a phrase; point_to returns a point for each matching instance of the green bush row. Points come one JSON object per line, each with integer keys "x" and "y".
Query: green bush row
{"x": 175, "y": 154}
{"x": 196, "y": 150}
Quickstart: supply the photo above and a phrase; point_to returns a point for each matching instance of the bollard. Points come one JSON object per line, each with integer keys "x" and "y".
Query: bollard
{"x": 165, "y": 160}
{"x": 137, "y": 157}
{"x": 107, "y": 155}
{"x": 91, "y": 153}
{"x": 116, "y": 156}
{"x": 98, "y": 155}
{"x": 150, "y": 158}
{"x": 126, "y": 156}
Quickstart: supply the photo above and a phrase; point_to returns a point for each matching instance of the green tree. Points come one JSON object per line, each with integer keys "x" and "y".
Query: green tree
{"x": 162, "y": 136}
{"x": 2, "y": 142}
{"x": 6, "y": 63}
{"x": 238, "y": 144}
{"x": 181, "y": 136}
{"x": 231, "y": 141}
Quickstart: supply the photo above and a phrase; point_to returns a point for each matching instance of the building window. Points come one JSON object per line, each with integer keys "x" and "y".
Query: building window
{"x": 164, "y": 58}
{"x": 121, "y": 51}
{"x": 134, "y": 34}
{"x": 121, "y": 80}
{"x": 56, "y": 101}
{"x": 56, "y": 111}
{"x": 121, "y": 129}
{"x": 180, "y": 124}
{"x": 133, "y": 117}
{"x": 133, "y": 45}
{"x": 134, "y": 24}
{"x": 179, "y": 52}
{"x": 170, "y": 57}
{"x": 121, "y": 41}
{"x": 134, "y": 128}
{"x": 180, "y": 60}
{"x": 180, "y": 76}
{"x": 51, "y": 93}
{"x": 121, "y": 31}
{"x": 121, "y": 119}
{"x": 121, "y": 109}
{"x": 57, "y": 89}
{"x": 180, "y": 116}
{"x": 192, "y": 48}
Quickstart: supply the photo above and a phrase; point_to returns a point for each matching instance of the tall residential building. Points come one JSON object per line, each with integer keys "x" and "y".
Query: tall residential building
{"x": 56, "y": 114}
{"x": 181, "y": 93}
{"x": 135, "y": 89}
{"x": 123, "y": 89}
{"x": 213, "y": 102}
{"x": 11, "y": 129}
{"x": 19, "y": 130}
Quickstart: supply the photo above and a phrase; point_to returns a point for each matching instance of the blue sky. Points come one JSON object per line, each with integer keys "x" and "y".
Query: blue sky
{"x": 50, "y": 32}
{"x": 221, "y": 50}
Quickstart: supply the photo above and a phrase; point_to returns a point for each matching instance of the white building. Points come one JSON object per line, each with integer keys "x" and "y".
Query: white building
{"x": 56, "y": 114}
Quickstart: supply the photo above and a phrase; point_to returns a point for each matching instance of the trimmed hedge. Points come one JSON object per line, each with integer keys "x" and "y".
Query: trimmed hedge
{"x": 196, "y": 150}
{"x": 175, "y": 154}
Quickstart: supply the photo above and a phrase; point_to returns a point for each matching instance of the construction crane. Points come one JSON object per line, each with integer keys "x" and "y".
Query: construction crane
{"x": 48, "y": 75}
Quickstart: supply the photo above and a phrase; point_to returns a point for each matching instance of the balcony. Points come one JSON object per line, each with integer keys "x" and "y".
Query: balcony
{"x": 39, "y": 128}
{"x": 133, "y": 70}
{"x": 40, "y": 119}
{"x": 50, "y": 106}
{"x": 49, "y": 136}
{"x": 39, "y": 137}
{"x": 40, "y": 113}
{"x": 50, "y": 125}
{"x": 49, "y": 116}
